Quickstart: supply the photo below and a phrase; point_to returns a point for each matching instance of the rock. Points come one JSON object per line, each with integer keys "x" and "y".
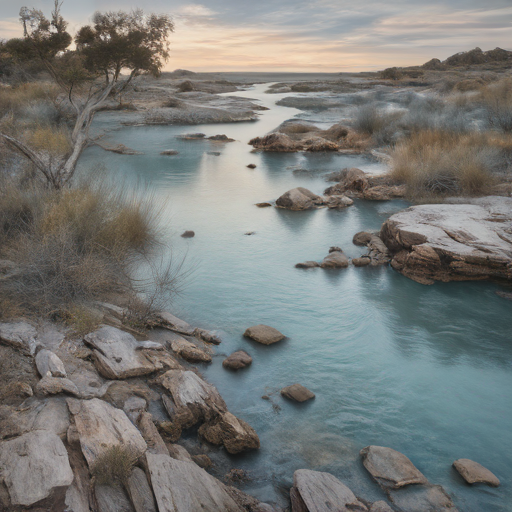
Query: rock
{"x": 208, "y": 336}
{"x": 47, "y": 361}
{"x": 264, "y": 334}
{"x": 112, "y": 499}
{"x": 384, "y": 192}
{"x": 119, "y": 392}
{"x": 297, "y": 392}
{"x": 263, "y": 205}
{"x": 149, "y": 345}
{"x": 276, "y": 142}
{"x": 194, "y": 399}
{"x": 150, "y": 434}
{"x": 116, "y": 355}
{"x": 169, "y": 321}
{"x": 504, "y": 295}
{"x": 16, "y": 390}
{"x": 20, "y": 335}
{"x": 335, "y": 249}
{"x": 314, "y": 491}
{"x": 319, "y": 144}
{"x": 447, "y": 242}
{"x": 134, "y": 407}
{"x": 179, "y": 453}
{"x": 308, "y": 264}
{"x": 171, "y": 430}
{"x": 235, "y": 434}
{"x": 237, "y": 360}
{"x": 345, "y": 174}
{"x": 189, "y": 351}
{"x": 221, "y": 138}
{"x": 120, "y": 149}
{"x": 299, "y": 198}
{"x": 252, "y": 166}
{"x": 475, "y": 473}
{"x": 362, "y": 238}
{"x": 338, "y": 201}
{"x": 363, "y": 261}
{"x": 380, "y": 506}
{"x": 116, "y": 311}
{"x": 421, "y": 498}
{"x": 33, "y": 466}
{"x": 335, "y": 259}
{"x": 248, "y": 502}
{"x": 203, "y": 461}
{"x": 101, "y": 426}
{"x": 250, "y": 233}
{"x": 353, "y": 180}
{"x": 52, "y": 386}
{"x": 391, "y": 469}
{"x": 191, "y": 136}
{"x": 184, "y": 487}
{"x": 53, "y": 417}
{"x": 140, "y": 492}
{"x": 169, "y": 152}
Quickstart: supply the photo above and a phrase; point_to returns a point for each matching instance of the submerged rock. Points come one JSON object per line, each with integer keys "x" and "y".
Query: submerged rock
{"x": 338, "y": 202}
{"x": 308, "y": 264}
{"x": 251, "y": 166}
{"x": 263, "y": 205}
{"x": 170, "y": 152}
{"x": 237, "y": 360}
{"x": 391, "y": 469}
{"x": 297, "y": 392}
{"x": 188, "y": 234}
{"x": 299, "y": 198}
{"x": 314, "y": 491}
{"x": 189, "y": 351}
{"x": 264, "y": 334}
{"x": 221, "y": 138}
{"x": 475, "y": 473}
{"x": 452, "y": 242}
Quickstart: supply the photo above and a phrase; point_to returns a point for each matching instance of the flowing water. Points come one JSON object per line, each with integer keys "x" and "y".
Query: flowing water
{"x": 425, "y": 370}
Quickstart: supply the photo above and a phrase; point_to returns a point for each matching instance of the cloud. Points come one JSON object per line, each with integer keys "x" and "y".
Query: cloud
{"x": 195, "y": 10}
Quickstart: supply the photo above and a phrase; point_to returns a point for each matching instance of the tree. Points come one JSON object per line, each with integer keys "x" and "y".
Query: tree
{"x": 115, "y": 42}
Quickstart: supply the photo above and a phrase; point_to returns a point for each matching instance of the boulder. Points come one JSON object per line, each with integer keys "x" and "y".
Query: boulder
{"x": 33, "y": 466}
{"x": 362, "y": 238}
{"x": 251, "y": 166}
{"x": 308, "y": 264}
{"x": 100, "y": 426}
{"x": 299, "y": 198}
{"x": 53, "y": 417}
{"x": 208, "y": 336}
{"x": 47, "y": 361}
{"x": 189, "y": 351}
{"x": 475, "y": 473}
{"x": 391, "y": 469}
{"x": 336, "y": 201}
{"x": 235, "y": 434}
{"x": 188, "y": 234}
{"x": 53, "y": 386}
{"x": 221, "y": 138}
{"x": 264, "y": 334}
{"x": 384, "y": 192}
{"x": 140, "y": 492}
{"x": 363, "y": 261}
{"x": 194, "y": 399}
{"x": 314, "y": 491}
{"x": 297, "y": 392}
{"x": 350, "y": 180}
{"x": 277, "y": 142}
{"x": 116, "y": 355}
{"x": 335, "y": 259}
{"x": 452, "y": 242}
{"x": 181, "y": 486}
{"x": 20, "y": 335}
{"x": 263, "y": 205}
{"x": 237, "y": 360}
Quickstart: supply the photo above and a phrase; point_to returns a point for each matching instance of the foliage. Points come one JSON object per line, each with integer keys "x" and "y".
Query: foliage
{"x": 114, "y": 465}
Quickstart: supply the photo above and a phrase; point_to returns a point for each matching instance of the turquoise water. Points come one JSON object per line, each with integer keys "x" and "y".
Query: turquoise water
{"x": 425, "y": 370}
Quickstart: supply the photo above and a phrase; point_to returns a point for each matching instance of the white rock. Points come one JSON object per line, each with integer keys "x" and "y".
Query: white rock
{"x": 33, "y": 465}
{"x": 169, "y": 321}
{"x": 140, "y": 492}
{"x": 19, "y": 335}
{"x": 47, "y": 361}
{"x": 49, "y": 385}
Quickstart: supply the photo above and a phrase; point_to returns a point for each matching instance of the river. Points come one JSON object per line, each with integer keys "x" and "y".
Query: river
{"x": 425, "y": 370}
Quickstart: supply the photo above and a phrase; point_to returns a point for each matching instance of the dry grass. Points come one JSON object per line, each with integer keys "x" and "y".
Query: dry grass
{"x": 114, "y": 466}
{"x": 16, "y": 98}
{"x": 435, "y": 162}
{"x": 497, "y": 100}
{"x": 51, "y": 140}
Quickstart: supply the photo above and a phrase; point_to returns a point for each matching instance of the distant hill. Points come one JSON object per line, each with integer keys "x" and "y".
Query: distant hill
{"x": 473, "y": 57}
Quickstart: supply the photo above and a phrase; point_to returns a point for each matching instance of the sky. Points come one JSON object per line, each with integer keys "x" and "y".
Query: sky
{"x": 304, "y": 36}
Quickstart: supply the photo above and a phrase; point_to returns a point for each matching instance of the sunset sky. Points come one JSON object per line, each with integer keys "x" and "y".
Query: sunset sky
{"x": 297, "y": 35}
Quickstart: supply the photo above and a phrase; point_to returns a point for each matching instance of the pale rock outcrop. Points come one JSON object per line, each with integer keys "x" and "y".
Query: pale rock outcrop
{"x": 235, "y": 434}
{"x": 100, "y": 426}
{"x": 264, "y": 334}
{"x": 189, "y": 351}
{"x": 47, "y": 361}
{"x": 297, "y": 392}
{"x": 116, "y": 355}
{"x": 314, "y": 491}
{"x": 33, "y": 465}
{"x": 452, "y": 242}
{"x": 391, "y": 469}
{"x": 474, "y": 473}
{"x": 299, "y": 198}
{"x": 20, "y": 335}
{"x": 181, "y": 486}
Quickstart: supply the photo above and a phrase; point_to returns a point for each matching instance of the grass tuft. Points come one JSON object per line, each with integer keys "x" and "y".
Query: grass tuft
{"x": 114, "y": 466}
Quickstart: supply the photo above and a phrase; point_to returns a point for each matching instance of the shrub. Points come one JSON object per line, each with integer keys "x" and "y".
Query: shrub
{"x": 15, "y": 98}
{"x": 391, "y": 74}
{"x": 497, "y": 101}
{"x": 437, "y": 162}
{"x": 186, "y": 86}
{"x": 368, "y": 120}
{"x": 114, "y": 466}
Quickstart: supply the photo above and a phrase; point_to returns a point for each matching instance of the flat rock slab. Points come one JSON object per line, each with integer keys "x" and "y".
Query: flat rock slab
{"x": 475, "y": 473}
{"x": 112, "y": 499}
{"x": 173, "y": 323}
{"x": 297, "y": 392}
{"x": 237, "y": 360}
{"x": 101, "y": 426}
{"x": 140, "y": 492}
{"x": 391, "y": 469}
{"x": 299, "y": 198}
{"x": 116, "y": 355}
{"x": 20, "y": 335}
{"x": 264, "y": 334}
{"x": 181, "y": 486}
{"x": 47, "y": 361}
{"x": 452, "y": 241}
{"x": 322, "y": 492}
{"x": 33, "y": 465}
